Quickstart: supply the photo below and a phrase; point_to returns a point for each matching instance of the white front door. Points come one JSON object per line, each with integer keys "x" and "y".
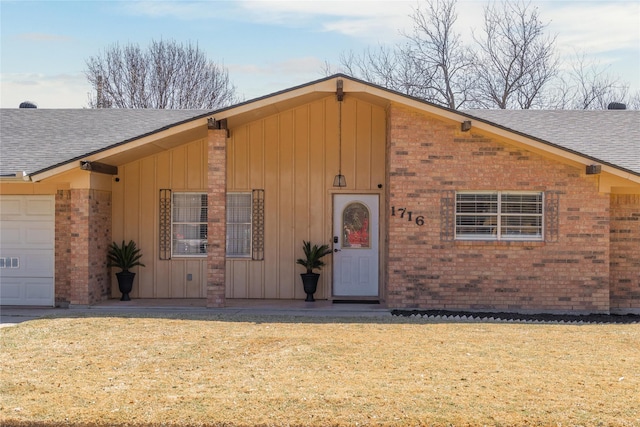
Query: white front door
{"x": 355, "y": 237}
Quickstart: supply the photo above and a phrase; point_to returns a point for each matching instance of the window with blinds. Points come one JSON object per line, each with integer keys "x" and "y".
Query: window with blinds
{"x": 499, "y": 216}
{"x": 189, "y": 224}
{"x": 239, "y": 224}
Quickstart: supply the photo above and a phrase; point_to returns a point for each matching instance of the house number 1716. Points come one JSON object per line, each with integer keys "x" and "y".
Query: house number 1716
{"x": 403, "y": 212}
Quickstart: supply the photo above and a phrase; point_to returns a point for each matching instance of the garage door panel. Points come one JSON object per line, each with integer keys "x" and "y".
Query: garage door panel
{"x": 30, "y": 263}
{"x": 23, "y": 234}
{"x": 27, "y": 208}
{"x": 11, "y": 208}
{"x": 36, "y": 208}
{"x": 39, "y": 236}
{"x": 10, "y": 237}
{"x": 10, "y": 289}
{"x": 26, "y": 291}
{"x": 39, "y": 264}
{"x": 37, "y": 289}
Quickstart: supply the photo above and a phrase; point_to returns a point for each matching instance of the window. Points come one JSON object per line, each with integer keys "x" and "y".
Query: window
{"x": 189, "y": 224}
{"x": 499, "y": 216}
{"x": 239, "y": 224}
{"x": 355, "y": 226}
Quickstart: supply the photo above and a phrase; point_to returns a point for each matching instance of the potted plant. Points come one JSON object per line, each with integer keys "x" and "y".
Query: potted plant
{"x": 312, "y": 260}
{"x": 125, "y": 256}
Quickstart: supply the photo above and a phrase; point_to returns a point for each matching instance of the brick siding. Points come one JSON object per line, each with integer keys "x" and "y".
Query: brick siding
{"x": 625, "y": 252}
{"x": 429, "y": 160}
{"x": 217, "y": 223}
{"x": 62, "y": 247}
{"x": 90, "y": 236}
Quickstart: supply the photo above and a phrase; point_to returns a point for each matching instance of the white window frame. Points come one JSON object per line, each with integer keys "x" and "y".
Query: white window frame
{"x": 491, "y": 225}
{"x": 236, "y": 246}
{"x": 181, "y": 244}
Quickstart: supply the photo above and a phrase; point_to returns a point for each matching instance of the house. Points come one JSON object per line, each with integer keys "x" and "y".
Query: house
{"x": 529, "y": 211}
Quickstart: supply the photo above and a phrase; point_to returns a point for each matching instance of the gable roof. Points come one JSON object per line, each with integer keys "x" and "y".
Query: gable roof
{"x": 35, "y": 140}
{"x": 39, "y": 140}
{"x": 607, "y": 137}
{"x": 611, "y": 137}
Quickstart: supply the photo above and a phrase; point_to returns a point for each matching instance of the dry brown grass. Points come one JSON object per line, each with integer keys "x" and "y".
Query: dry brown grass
{"x": 271, "y": 371}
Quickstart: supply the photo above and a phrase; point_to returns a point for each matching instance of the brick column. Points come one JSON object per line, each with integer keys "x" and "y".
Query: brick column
{"x": 217, "y": 225}
{"x": 90, "y": 235}
{"x": 63, "y": 248}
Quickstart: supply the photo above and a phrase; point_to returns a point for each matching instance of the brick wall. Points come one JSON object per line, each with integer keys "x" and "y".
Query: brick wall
{"x": 62, "y": 248}
{"x": 625, "y": 253}
{"x": 217, "y": 200}
{"x": 90, "y": 236}
{"x": 429, "y": 160}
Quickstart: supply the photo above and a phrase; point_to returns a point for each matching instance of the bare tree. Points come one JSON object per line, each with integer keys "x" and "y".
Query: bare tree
{"x": 633, "y": 102}
{"x": 432, "y": 64}
{"x": 589, "y": 86}
{"x": 376, "y": 66}
{"x": 516, "y": 59}
{"x": 441, "y": 62}
{"x": 384, "y": 66}
{"x": 165, "y": 75}
{"x": 512, "y": 65}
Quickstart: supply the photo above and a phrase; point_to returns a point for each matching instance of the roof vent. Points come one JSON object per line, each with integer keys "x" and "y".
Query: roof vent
{"x": 616, "y": 106}
{"x": 28, "y": 104}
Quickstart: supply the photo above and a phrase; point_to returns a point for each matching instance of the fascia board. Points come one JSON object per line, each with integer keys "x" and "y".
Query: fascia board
{"x": 118, "y": 148}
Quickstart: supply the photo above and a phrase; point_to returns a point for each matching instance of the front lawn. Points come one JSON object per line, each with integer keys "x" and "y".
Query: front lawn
{"x": 246, "y": 371}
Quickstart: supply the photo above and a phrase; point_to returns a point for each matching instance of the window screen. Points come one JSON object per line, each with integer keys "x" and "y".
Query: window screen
{"x": 189, "y": 224}
{"x": 239, "y": 215}
{"x": 499, "y": 216}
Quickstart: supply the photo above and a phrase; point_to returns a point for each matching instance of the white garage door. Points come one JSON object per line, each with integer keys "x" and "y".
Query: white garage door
{"x": 27, "y": 237}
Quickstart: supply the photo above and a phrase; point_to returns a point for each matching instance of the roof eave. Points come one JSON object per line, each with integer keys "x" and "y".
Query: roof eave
{"x": 148, "y": 138}
{"x": 273, "y": 103}
{"x": 542, "y": 145}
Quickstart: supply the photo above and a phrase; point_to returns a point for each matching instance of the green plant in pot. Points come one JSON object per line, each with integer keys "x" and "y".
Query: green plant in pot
{"x": 124, "y": 256}
{"x": 311, "y": 261}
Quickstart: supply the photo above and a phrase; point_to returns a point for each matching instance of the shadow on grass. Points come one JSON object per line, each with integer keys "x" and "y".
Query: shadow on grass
{"x": 396, "y": 317}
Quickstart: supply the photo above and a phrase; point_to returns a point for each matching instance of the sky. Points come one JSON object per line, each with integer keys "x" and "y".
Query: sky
{"x": 266, "y": 46}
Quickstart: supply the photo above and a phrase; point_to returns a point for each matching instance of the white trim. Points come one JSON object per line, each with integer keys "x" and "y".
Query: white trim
{"x": 496, "y": 234}
{"x": 187, "y": 242}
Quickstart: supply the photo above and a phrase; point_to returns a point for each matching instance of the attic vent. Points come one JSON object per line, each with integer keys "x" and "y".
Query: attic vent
{"x": 28, "y": 104}
{"x": 616, "y": 106}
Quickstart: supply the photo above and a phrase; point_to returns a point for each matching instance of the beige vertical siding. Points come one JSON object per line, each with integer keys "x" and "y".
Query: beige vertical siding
{"x": 294, "y": 157}
{"x": 136, "y": 216}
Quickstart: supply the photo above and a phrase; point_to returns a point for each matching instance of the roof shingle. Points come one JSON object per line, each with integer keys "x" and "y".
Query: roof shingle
{"x": 610, "y": 136}
{"x": 33, "y": 140}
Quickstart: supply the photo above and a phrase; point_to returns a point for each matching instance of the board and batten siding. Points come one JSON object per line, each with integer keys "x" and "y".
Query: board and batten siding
{"x": 136, "y": 206}
{"x": 294, "y": 156}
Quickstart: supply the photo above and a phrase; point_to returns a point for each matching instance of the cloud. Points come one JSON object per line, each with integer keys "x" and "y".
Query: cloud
{"x": 259, "y": 80}
{"x": 183, "y": 10}
{"x": 595, "y": 26}
{"x": 369, "y": 20}
{"x": 43, "y": 37}
{"x": 47, "y": 91}
{"x": 293, "y": 65}
{"x": 606, "y": 33}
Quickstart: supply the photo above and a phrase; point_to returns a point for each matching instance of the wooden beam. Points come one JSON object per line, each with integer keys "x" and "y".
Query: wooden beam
{"x": 98, "y": 167}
